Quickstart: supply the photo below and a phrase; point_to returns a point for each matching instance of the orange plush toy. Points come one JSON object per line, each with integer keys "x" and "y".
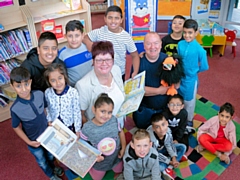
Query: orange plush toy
{"x": 171, "y": 72}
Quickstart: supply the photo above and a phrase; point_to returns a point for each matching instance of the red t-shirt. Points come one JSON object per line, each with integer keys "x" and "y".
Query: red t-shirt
{"x": 221, "y": 132}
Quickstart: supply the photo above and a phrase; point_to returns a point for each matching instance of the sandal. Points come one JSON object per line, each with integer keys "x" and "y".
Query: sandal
{"x": 227, "y": 160}
{"x": 199, "y": 148}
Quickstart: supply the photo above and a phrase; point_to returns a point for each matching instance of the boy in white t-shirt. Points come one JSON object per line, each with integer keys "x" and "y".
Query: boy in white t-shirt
{"x": 122, "y": 41}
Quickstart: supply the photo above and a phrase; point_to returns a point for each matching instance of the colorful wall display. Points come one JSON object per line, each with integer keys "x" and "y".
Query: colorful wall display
{"x": 140, "y": 18}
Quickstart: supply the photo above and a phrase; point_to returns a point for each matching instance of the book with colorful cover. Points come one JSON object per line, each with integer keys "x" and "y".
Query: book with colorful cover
{"x": 73, "y": 4}
{"x": 134, "y": 90}
{"x": 27, "y": 37}
{"x": 17, "y": 42}
{"x": 6, "y": 45}
{"x": 60, "y": 141}
{"x": 13, "y": 43}
{"x": 21, "y": 39}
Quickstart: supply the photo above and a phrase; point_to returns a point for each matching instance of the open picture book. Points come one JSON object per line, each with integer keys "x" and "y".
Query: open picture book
{"x": 77, "y": 155}
{"x": 134, "y": 90}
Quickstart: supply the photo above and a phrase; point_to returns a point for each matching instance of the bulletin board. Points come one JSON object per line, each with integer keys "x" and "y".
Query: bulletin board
{"x": 169, "y": 8}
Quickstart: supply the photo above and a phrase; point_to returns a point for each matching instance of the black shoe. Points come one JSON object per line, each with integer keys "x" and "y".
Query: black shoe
{"x": 58, "y": 171}
{"x": 190, "y": 130}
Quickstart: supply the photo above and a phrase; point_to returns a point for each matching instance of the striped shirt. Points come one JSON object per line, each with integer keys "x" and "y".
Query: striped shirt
{"x": 122, "y": 43}
{"x": 78, "y": 62}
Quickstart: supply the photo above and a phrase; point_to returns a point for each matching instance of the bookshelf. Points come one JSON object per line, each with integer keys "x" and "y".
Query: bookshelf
{"x": 98, "y": 6}
{"x": 12, "y": 18}
{"x": 30, "y": 16}
{"x": 55, "y": 9}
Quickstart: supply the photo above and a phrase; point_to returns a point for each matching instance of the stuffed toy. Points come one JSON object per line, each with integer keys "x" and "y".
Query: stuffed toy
{"x": 171, "y": 72}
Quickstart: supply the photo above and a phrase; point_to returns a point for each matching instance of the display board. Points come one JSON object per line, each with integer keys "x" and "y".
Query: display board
{"x": 206, "y": 9}
{"x": 167, "y": 9}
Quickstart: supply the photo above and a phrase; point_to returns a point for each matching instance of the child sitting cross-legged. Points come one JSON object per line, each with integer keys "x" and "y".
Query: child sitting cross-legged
{"x": 170, "y": 153}
{"x": 218, "y": 134}
{"x": 140, "y": 158}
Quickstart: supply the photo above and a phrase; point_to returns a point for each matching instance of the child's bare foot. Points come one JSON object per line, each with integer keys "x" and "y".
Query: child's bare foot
{"x": 225, "y": 158}
{"x": 199, "y": 148}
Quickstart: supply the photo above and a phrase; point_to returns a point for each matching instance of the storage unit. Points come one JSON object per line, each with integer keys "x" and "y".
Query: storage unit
{"x": 98, "y": 6}
{"x": 11, "y": 17}
{"x": 31, "y": 15}
{"x": 55, "y": 9}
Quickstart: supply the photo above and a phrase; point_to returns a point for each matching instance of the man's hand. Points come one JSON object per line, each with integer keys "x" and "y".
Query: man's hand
{"x": 162, "y": 90}
{"x": 177, "y": 86}
{"x": 34, "y": 144}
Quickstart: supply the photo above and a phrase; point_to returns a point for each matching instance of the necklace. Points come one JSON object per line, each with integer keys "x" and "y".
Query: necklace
{"x": 108, "y": 89}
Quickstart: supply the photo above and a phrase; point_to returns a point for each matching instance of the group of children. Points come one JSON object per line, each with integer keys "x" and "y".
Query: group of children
{"x": 151, "y": 153}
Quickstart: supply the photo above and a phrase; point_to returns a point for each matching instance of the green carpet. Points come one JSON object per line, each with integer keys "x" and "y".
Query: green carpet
{"x": 204, "y": 166}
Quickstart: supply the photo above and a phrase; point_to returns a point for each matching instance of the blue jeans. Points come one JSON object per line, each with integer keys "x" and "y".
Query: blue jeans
{"x": 142, "y": 117}
{"x": 181, "y": 149}
{"x": 44, "y": 159}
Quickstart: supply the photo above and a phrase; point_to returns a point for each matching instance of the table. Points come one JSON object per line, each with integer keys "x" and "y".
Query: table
{"x": 219, "y": 41}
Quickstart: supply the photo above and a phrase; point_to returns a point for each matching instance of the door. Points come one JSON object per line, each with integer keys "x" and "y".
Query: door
{"x": 231, "y": 16}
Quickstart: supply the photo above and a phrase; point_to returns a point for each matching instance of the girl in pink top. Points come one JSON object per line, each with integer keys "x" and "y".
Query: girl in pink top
{"x": 218, "y": 134}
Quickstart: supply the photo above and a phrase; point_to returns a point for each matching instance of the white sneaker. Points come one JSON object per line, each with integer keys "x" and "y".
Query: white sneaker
{"x": 55, "y": 178}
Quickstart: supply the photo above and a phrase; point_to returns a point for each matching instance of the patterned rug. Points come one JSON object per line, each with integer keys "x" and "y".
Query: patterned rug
{"x": 202, "y": 165}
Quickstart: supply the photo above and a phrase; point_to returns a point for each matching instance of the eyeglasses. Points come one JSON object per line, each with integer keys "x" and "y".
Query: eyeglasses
{"x": 100, "y": 61}
{"x": 174, "y": 105}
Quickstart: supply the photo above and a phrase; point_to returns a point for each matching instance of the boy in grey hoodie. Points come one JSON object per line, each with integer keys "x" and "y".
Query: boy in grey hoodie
{"x": 170, "y": 153}
{"x": 140, "y": 158}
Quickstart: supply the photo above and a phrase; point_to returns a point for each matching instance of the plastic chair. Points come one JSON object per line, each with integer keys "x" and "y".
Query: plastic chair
{"x": 230, "y": 41}
{"x": 207, "y": 41}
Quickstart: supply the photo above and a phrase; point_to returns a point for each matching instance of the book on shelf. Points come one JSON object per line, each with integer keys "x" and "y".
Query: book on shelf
{"x": 14, "y": 43}
{"x": 77, "y": 155}
{"x": 134, "y": 90}
{"x": 27, "y": 37}
{"x": 5, "y": 69}
{"x": 73, "y": 4}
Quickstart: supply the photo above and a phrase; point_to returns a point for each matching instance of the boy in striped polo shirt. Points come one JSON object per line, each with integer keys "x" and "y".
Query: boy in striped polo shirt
{"x": 77, "y": 58}
{"x": 122, "y": 41}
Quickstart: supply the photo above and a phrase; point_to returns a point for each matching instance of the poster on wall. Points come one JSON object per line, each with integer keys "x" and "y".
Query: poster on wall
{"x": 200, "y": 9}
{"x": 140, "y": 18}
{"x": 204, "y": 9}
{"x": 167, "y": 9}
{"x": 215, "y": 7}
